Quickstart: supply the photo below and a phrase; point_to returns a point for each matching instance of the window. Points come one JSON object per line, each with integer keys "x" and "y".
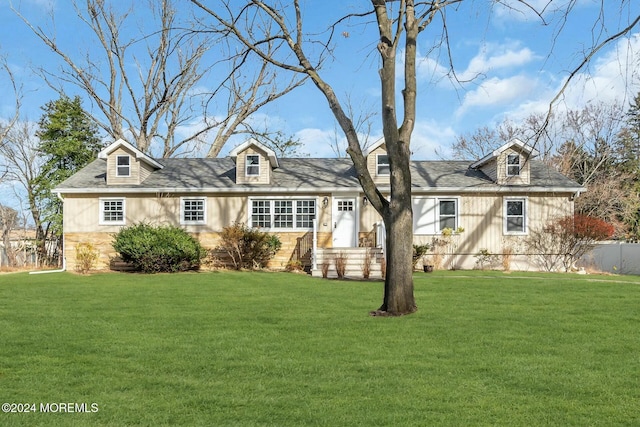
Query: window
{"x": 112, "y": 211}
{"x": 193, "y": 210}
{"x": 345, "y": 205}
{"x": 515, "y": 220}
{"x": 447, "y": 213}
{"x": 513, "y": 165}
{"x": 253, "y": 165}
{"x": 261, "y": 213}
{"x": 123, "y": 166}
{"x": 305, "y": 213}
{"x": 433, "y": 214}
{"x": 382, "y": 164}
{"x": 288, "y": 213}
{"x": 283, "y": 214}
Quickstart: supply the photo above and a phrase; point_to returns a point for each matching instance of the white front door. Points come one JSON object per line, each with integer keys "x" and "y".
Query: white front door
{"x": 344, "y": 222}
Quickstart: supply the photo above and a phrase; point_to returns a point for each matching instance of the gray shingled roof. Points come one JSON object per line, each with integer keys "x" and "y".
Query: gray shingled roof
{"x": 306, "y": 174}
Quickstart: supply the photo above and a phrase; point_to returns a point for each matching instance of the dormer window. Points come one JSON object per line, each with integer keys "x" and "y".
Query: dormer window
{"x": 382, "y": 164}
{"x": 123, "y": 166}
{"x": 513, "y": 165}
{"x": 253, "y": 165}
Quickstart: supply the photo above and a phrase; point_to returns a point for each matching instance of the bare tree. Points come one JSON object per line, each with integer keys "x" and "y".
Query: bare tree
{"x": 482, "y": 141}
{"x": 19, "y": 155}
{"x": 149, "y": 104}
{"x": 7, "y": 124}
{"x": 254, "y": 23}
{"x": 8, "y": 222}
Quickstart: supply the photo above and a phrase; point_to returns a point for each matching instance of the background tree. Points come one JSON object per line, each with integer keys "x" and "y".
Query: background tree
{"x": 68, "y": 141}
{"x": 20, "y": 158}
{"x": 7, "y": 124}
{"x": 150, "y": 102}
{"x": 9, "y": 221}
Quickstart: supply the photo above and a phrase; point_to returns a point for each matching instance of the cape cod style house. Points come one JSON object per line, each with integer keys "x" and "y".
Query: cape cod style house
{"x": 316, "y": 205}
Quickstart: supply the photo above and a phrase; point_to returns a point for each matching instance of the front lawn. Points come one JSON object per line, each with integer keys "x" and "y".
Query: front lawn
{"x": 484, "y": 348}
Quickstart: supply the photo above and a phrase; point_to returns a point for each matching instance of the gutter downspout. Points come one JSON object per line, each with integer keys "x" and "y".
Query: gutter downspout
{"x": 64, "y": 258}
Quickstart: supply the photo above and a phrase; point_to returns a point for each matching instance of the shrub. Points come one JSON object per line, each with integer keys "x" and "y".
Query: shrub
{"x": 158, "y": 249}
{"x": 366, "y": 264}
{"x": 86, "y": 257}
{"x": 562, "y": 242}
{"x": 418, "y": 252}
{"x": 341, "y": 264}
{"x": 485, "y": 259}
{"x": 248, "y": 247}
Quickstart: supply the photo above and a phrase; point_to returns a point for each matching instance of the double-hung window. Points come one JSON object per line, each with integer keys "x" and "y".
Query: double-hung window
{"x": 513, "y": 165}
{"x": 447, "y": 214}
{"x": 515, "y": 216}
{"x": 193, "y": 210}
{"x": 112, "y": 211}
{"x": 283, "y": 213}
{"x": 431, "y": 215}
{"x": 261, "y": 213}
{"x": 253, "y": 165}
{"x": 382, "y": 164}
{"x": 123, "y": 166}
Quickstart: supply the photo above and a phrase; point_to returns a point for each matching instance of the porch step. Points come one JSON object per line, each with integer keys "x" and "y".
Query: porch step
{"x": 354, "y": 259}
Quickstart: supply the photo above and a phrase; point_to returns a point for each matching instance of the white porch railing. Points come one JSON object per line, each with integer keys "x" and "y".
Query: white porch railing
{"x": 314, "y": 248}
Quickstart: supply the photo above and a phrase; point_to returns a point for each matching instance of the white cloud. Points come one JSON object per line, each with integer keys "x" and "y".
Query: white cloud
{"x": 431, "y": 140}
{"x": 612, "y": 78}
{"x": 495, "y": 92}
{"x": 494, "y": 57}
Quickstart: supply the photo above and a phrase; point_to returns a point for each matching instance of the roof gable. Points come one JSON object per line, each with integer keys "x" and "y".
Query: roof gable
{"x": 370, "y": 149}
{"x": 271, "y": 155}
{"x": 139, "y": 155}
{"x": 521, "y": 146}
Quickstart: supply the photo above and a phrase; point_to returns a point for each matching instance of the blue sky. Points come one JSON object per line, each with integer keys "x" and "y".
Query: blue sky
{"x": 515, "y": 66}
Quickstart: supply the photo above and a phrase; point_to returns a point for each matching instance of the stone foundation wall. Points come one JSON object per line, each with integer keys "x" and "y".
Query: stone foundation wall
{"x": 103, "y": 243}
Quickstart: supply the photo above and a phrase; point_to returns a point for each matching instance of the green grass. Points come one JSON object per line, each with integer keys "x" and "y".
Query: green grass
{"x": 224, "y": 349}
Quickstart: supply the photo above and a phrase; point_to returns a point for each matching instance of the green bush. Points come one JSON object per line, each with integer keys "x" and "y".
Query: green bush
{"x": 248, "y": 247}
{"x": 158, "y": 249}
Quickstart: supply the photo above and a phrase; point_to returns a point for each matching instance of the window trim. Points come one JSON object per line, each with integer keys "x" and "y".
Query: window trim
{"x": 118, "y": 166}
{"x": 378, "y": 164}
{"x": 183, "y": 221}
{"x": 247, "y": 165}
{"x": 505, "y": 216}
{"x": 436, "y": 215}
{"x": 456, "y": 215}
{"x": 102, "y": 220}
{"x": 294, "y": 208}
{"x": 514, "y": 165}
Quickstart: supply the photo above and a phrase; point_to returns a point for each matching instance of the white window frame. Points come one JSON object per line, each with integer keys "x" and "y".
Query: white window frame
{"x": 183, "y": 210}
{"x": 378, "y": 165}
{"x": 127, "y": 166}
{"x": 103, "y": 220}
{"x": 433, "y": 214}
{"x": 456, "y": 215}
{"x": 271, "y": 207}
{"x": 513, "y": 165}
{"x": 249, "y": 165}
{"x": 525, "y": 213}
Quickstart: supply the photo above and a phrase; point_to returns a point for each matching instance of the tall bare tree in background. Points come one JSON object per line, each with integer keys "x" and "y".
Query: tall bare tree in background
{"x": 398, "y": 23}
{"x": 7, "y": 124}
{"x": 20, "y": 157}
{"x": 161, "y": 100}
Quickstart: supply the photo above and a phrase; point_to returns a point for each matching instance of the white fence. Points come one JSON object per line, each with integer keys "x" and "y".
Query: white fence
{"x": 619, "y": 258}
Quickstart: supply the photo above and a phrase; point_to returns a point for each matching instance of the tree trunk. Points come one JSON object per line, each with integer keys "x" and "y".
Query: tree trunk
{"x": 398, "y": 284}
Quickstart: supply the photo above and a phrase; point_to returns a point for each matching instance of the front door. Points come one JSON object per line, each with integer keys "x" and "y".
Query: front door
{"x": 344, "y": 222}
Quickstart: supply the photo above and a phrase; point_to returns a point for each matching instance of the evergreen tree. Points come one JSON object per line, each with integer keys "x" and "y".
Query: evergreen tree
{"x": 68, "y": 142}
